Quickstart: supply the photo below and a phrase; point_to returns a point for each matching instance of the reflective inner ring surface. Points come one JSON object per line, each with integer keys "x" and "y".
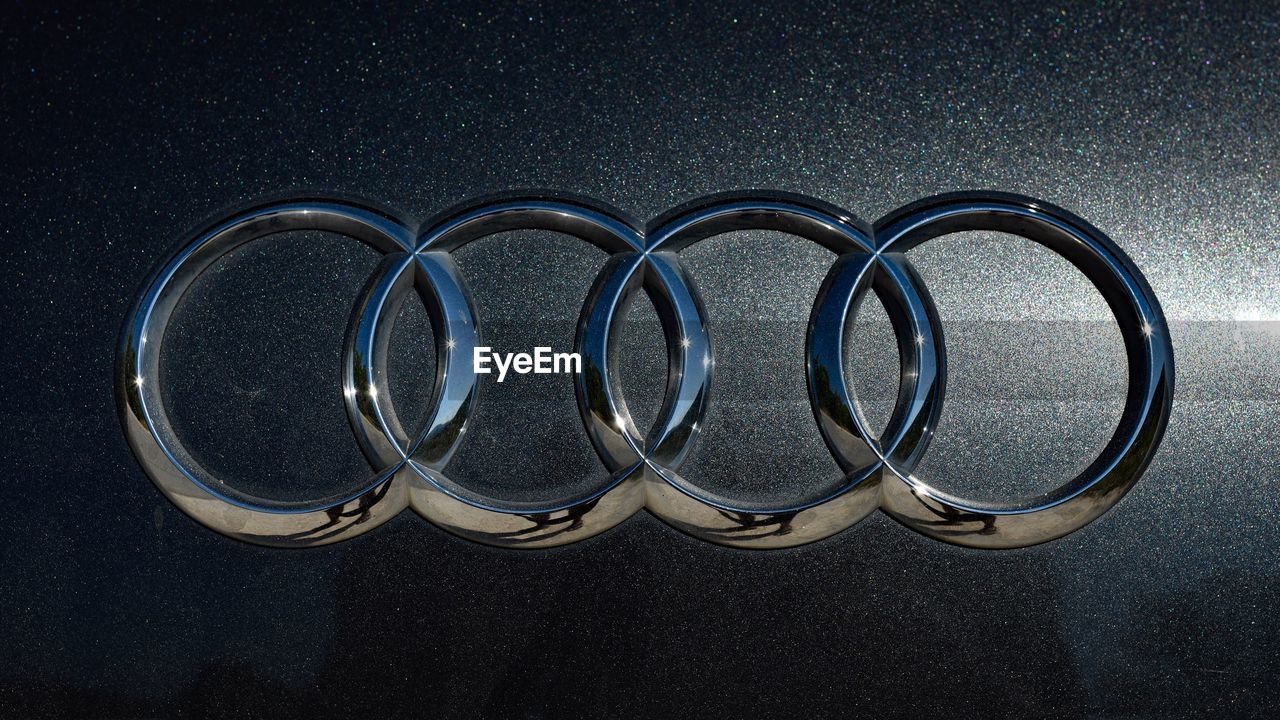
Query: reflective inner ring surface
{"x": 409, "y": 470}
{"x": 146, "y": 422}
{"x": 1148, "y": 347}
{"x": 435, "y": 496}
{"x": 857, "y": 451}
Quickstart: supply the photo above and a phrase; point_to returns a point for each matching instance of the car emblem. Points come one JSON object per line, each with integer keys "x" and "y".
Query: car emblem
{"x": 410, "y": 468}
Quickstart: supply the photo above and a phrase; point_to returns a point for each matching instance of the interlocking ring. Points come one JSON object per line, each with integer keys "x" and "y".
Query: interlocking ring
{"x": 877, "y": 470}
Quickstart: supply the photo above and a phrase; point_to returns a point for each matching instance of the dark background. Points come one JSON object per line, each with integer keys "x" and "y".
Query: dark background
{"x": 126, "y": 128}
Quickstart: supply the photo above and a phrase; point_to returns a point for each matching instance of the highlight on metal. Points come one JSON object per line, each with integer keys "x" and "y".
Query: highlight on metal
{"x": 410, "y": 467}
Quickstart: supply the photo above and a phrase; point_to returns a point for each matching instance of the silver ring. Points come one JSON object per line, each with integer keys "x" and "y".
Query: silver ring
{"x": 1148, "y": 347}
{"x": 146, "y": 423}
{"x": 878, "y": 471}
{"x": 856, "y": 450}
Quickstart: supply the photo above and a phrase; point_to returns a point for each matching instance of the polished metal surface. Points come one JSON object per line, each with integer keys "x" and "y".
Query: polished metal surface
{"x": 410, "y": 471}
{"x": 127, "y": 127}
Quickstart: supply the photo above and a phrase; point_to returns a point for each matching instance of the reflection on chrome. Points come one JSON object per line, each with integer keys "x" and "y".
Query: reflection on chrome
{"x": 877, "y": 469}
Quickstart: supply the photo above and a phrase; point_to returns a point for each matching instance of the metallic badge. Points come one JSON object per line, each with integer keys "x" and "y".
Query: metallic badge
{"x": 410, "y": 469}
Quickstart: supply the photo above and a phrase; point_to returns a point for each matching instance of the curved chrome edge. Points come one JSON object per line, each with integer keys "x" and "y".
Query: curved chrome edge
{"x": 145, "y": 421}
{"x": 921, "y": 507}
{"x": 365, "y": 390}
{"x": 605, "y": 416}
{"x": 526, "y": 525}
{"x": 439, "y": 499}
{"x": 582, "y": 218}
{"x": 723, "y": 520}
{"x": 918, "y": 331}
{"x": 644, "y": 471}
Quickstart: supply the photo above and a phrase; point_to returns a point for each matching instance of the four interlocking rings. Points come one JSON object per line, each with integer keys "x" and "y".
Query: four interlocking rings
{"x": 410, "y": 469}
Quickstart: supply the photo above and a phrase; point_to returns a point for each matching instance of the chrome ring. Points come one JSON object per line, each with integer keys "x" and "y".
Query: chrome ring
{"x": 1148, "y": 346}
{"x": 486, "y": 519}
{"x": 855, "y": 449}
{"x": 146, "y": 422}
{"x": 878, "y": 472}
